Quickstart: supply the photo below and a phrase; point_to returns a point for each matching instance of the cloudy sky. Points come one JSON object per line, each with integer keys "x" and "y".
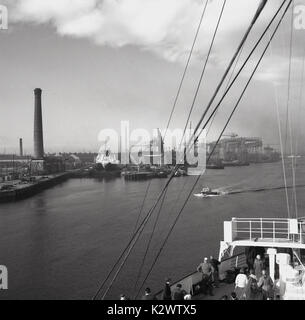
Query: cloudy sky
{"x": 102, "y": 61}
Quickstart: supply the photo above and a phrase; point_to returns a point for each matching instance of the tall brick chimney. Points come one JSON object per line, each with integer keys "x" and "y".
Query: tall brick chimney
{"x": 38, "y": 130}
{"x": 20, "y": 147}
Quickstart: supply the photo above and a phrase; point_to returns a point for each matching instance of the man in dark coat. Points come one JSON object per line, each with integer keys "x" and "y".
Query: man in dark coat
{"x": 215, "y": 275}
{"x": 258, "y": 267}
{"x": 266, "y": 284}
{"x": 255, "y": 292}
{"x": 167, "y": 293}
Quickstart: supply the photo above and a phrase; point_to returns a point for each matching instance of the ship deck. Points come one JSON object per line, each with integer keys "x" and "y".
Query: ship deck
{"x": 218, "y": 293}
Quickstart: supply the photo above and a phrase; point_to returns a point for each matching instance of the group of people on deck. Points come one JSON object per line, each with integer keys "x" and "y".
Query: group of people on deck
{"x": 176, "y": 293}
{"x": 257, "y": 285}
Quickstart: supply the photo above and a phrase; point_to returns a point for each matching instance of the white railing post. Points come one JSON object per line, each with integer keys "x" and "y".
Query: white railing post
{"x": 273, "y": 231}
{"x": 250, "y": 230}
{"x": 261, "y": 228}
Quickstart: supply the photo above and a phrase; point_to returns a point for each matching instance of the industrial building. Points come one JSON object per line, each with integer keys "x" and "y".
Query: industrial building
{"x": 242, "y": 151}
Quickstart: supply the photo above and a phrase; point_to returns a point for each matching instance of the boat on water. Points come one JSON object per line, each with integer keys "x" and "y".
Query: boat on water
{"x": 208, "y": 192}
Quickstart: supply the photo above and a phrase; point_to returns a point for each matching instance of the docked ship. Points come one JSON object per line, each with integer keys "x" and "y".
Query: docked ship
{"x": 107, "y": 160}
{"x": 106, "y": 164}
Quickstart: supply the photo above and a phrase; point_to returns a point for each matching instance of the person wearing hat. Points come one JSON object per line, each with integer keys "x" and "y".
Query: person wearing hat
{"x": 167, "y": 292}
{"x": 123, "y": 297}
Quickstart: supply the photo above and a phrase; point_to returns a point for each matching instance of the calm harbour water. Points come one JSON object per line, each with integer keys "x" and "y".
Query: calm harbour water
{"x": 61, "y": 243}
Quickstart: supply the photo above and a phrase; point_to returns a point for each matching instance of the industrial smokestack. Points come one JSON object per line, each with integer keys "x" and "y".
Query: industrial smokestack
{"x": 38, "y": 130}
{"x": 20, "y": 147}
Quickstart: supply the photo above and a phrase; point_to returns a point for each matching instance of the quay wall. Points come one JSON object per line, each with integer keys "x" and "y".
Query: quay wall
{"x": 30, "y": 189}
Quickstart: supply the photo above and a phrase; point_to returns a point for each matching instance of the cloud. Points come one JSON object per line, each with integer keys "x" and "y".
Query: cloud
{"x": 165, "y": 27}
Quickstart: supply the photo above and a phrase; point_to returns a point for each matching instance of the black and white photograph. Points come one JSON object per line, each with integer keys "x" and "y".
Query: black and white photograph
{"x": 152, "y": 150}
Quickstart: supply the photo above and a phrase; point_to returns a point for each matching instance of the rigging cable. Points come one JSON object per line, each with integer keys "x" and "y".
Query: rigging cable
{"x": 142, "y": 206}
{"x": 184, "y": 131}
{"x": 179, "y": 90}
{"x": 186, "y": 68}
{"x": 241, "y": 68}
{"x": 289, "y": 120}
{"x": 228, "y": 83}
{"x": 245, "y": 37}
{"x": 300, "y": 104}
{"x": 150, "y": 240}
{"x": 227, "y": 123}
{"x": 281, "y": 143}
{"x": 142, "y": 225}
{"x": 300, "y": 101}
{"x": 170, "y": 117}
{"x": 203, "y": 70}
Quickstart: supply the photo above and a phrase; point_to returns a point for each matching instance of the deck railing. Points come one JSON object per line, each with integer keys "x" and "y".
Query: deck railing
{"x": 189, "y": 281}
{"x": 291, "y": 230}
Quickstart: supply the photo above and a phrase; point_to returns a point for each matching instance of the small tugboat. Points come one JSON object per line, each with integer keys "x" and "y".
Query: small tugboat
{"x": 208, "y": 192}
